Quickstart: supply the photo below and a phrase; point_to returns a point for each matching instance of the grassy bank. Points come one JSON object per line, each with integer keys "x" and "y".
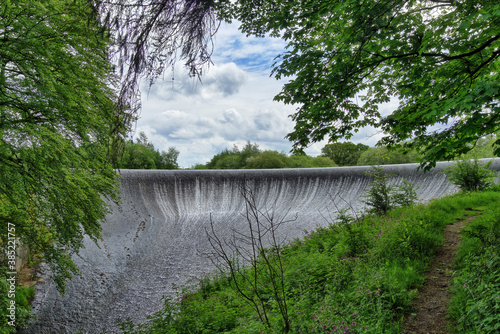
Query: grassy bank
{"x": 347, "y": 278}
{"x": 475, "y": 306}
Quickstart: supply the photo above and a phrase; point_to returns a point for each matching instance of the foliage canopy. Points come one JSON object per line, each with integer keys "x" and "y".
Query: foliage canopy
{"x": 57, "y": 122}
{"x": 440, "y": 58}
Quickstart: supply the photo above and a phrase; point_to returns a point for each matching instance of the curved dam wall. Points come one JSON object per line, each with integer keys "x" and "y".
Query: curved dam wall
{"x": 157, "y": 237}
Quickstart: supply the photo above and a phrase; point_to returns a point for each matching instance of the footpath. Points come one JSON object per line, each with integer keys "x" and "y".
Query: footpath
{"x": 431, "y": 305}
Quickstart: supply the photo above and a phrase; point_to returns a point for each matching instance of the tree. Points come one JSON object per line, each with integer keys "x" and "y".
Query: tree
{"x": 137, "y": 156}
{"x": 234, "y": 158}
{"x": 144, "y": 141}
{"x": 250, "y": 150}
{"x": 305, "y": 161}
{"x": 251, "y": 157}
{"x": 440, "y": 58}
{"x": 58, "y": 119}
{"x": 168, "y": 159}
{"x": 143, "y": 155}
{"x": 344, "y": 154}
{"x": 63, "y": 113}
{"x": 267, "y": 160}
{"x": 227, "y": 159}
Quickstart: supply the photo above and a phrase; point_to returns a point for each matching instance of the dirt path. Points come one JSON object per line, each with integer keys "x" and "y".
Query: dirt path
{"x": 433, "y": 298}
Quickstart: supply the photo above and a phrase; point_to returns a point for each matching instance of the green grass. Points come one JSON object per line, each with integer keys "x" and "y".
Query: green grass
{"x": 475, "y": 306}
{"x": 353, "y": 279}
{"x": 23, "y": 315}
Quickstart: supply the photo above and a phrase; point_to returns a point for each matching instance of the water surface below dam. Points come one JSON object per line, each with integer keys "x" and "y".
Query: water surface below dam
{"x": 156, "y": 238}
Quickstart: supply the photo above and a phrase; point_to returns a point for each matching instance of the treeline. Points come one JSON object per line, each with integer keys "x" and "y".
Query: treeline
{"x": 333, "y": 155}
{"x": 251, "y": 157}
{"x": 141, "y": 154}
{"x": 350, "y": 154}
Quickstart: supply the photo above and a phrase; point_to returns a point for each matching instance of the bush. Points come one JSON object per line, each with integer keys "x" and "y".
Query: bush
{"x": 470, "y": 175}
{"x": 384, "y": 197}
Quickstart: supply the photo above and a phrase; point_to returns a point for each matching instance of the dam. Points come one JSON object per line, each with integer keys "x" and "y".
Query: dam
{"x": 156, "y": 239}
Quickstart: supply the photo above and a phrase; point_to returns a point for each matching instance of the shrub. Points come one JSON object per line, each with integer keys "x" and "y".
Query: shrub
{"x": 379, "y": 195}
{"x": 470, "y": 175}
{"x": 383, "y": 197}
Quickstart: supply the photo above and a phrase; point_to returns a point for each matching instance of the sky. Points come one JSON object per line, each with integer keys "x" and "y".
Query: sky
{"x": 231, "y": 105}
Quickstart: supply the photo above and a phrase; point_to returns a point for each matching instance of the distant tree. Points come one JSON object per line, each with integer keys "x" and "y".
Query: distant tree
{"x": 305, "y": 161}
{"x": 267, "y": 160}
{"x": 233, "y": 158}
{"x": 251, "y": 157}
{"x": 142, "y": 154}
{"x": 144, "y": 141}
{"x": 137, "y": 156}
{"x": 168, "y": 159}
{"x": 384, "y": 156}
{"x": 250, "y": 150}
{"x": 484, "y": 148}
{"x": 199, "y": 166}
{"x": 227, "y": 159}
{"x": 344, "y": 154}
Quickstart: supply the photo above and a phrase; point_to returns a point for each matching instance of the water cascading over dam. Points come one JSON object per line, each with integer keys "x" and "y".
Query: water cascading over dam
{"x": 156, "y": 238}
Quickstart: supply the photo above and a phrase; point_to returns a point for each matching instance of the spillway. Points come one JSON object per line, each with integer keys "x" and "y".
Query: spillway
{"x": 157, "y": 237}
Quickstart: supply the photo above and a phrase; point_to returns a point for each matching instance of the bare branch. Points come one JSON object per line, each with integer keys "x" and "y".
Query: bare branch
{"x": 151, "y": 35}
{"x": 263, "y": 273}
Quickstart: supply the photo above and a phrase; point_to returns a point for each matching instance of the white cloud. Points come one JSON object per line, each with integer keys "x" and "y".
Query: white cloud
{"x": 251, "y": 53}
{"x": 232, "y": 104}
{"x": 228, "y": 107}
{"x": 218, "y": 81}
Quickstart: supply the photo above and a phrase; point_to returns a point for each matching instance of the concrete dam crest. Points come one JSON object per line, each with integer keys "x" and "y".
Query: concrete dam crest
{"x": 154, "y": 239}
